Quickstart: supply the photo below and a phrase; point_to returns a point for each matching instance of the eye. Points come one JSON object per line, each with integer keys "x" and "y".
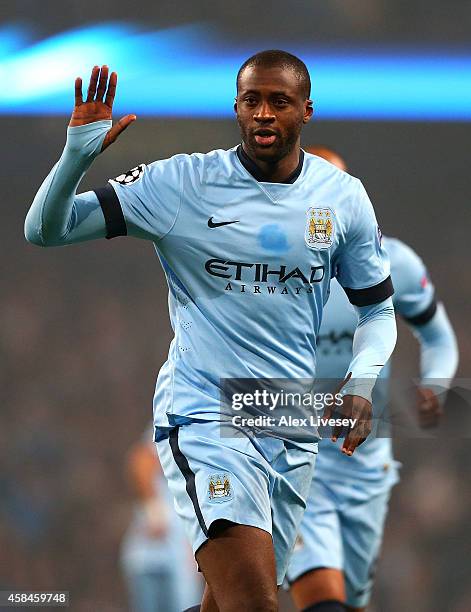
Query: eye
{"x": 250, "y": 100}
{"x": 281, "y": 102}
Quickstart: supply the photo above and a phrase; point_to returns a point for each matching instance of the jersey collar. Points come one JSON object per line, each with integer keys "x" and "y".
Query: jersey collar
{"x": 258, "y": 175}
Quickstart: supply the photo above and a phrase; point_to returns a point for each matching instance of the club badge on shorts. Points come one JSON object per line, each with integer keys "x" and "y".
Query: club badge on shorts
{"x": 319, "y": 232}
{"x": 220, "y": 488}
{"x": 131, "y": 176}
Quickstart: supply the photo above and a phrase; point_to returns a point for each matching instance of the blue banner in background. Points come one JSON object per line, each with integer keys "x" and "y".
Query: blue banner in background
{"x": 190, "y": 72}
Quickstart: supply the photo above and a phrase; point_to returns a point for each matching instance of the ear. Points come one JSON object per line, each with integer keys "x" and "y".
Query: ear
{"x": 308, "y": 111}
{"x": 235, "y": 105}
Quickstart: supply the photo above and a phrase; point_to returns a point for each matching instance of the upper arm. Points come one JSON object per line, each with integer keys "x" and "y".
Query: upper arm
{"x": 415, "y": 294}
{"x": 144, "y": 201}
{"x": 86, "y": 222}
{"x": 363, "y": 264}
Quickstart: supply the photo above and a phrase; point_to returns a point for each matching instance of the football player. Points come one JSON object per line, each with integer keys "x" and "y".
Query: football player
{"x": 332, "y": 568}
{"x": 248, "y": 239}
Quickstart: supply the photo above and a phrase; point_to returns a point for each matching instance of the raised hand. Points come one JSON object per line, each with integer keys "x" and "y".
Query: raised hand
{"x": 99, "y": 106}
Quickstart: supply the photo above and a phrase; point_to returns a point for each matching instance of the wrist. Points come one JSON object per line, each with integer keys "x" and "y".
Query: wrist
{"x": 87, "y": 139}
{"x": 88, "y": 127}
{"x": 362, "y": 387}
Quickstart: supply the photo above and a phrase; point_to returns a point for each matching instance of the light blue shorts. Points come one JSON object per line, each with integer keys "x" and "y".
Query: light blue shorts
{"x": 340, "y": 532}
{"x": 259, "y": 482}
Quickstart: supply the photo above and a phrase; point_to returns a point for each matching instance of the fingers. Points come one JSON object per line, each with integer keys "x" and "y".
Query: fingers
{"x": 97, "y": 86}
{"x": 116, "y": 130}
{"x": 356, "y": 437}
{"x": 329, "y": 413}
{"x": 78, "y": 91}
{"x": 344, "y": 412}
{"x": 111, "y": 89}
{"x": 103, "y": 80}
{"x": 93, "y": 83}
{"x": 357, "y": 434}
{"x": 361, "y": 413}
{"x": 326, "y": 415}
{"x": 338, "y": 430}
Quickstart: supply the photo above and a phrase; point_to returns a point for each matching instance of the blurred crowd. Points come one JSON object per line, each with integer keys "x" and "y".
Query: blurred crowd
{"x": 317, "y": 20}
{"x": 77, "y": 382}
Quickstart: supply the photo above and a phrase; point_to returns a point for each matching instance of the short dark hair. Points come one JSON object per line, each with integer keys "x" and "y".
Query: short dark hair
{"x": 275, "y": 58}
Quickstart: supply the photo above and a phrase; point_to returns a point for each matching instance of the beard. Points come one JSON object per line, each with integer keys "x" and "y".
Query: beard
{"x": 282, "y": 146}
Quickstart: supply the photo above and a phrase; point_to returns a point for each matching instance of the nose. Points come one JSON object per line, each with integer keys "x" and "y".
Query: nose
{"x": 264, "y": 113}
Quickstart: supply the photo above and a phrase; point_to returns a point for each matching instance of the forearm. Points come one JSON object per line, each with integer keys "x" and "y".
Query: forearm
{"x": 57, "y": 216}
{"x": 438, "y": 350}
{"x": 373, "y": 342}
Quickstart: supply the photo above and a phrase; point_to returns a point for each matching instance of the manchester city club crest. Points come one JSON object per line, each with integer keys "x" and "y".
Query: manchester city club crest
{"x": 319, "y": 233}
{"x": 220, "y": 488}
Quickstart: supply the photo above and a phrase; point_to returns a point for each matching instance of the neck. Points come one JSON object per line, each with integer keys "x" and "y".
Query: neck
{"x": 276, "y": 171}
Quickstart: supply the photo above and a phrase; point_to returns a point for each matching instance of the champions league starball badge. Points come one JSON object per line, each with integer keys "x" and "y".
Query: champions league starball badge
{"x": 131, "y": 176}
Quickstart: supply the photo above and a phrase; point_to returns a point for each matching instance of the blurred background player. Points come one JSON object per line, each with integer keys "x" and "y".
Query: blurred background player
{"x": 159, "y": 568}
{"x": 333, "y": 564}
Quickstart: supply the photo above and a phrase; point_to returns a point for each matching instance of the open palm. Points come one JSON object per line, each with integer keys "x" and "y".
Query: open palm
{"x": 99, "y": 103}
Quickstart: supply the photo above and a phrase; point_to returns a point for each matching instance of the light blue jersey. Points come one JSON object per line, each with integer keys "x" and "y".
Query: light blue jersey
{"x": 372, "y": 463}
{"x": 248, "y": 265}
{"x": 248, "y": 262}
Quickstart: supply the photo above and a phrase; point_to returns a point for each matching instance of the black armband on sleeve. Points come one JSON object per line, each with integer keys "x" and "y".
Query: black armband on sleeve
{"x": 112, "y": 211}
{"x": 425, "y": 316}
{"x": 371, "y": 295}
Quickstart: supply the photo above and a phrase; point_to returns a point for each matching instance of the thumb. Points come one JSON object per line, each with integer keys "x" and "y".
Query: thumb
{"x": 116, "y": 130}
{"x": 339, "y": 387}
{"x": 343, "y": 383}
{"x": 329, "y": 412}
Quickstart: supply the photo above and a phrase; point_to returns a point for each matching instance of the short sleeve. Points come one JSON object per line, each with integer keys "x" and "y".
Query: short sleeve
{"x": 414, "y": 297}
{"x": 144, "y": 201}
{"x": 363, "y": 264}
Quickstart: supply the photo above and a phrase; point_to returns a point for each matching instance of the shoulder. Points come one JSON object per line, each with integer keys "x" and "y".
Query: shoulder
{"x": 408, "y": 273}
{"x": 213, "y": 159}
{"x": 204, "y": 166}
{"x": 194, "y": 166}
{"x": 401, "y": 255}
{"x": 329, "y": 174}
{"x": 344, "y": 192}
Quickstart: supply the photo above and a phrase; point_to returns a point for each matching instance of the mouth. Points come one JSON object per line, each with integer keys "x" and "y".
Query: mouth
{"x": 265, "y": 137}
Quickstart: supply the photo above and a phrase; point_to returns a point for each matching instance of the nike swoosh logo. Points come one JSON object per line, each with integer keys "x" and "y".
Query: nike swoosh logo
{"x": 212, "y": 223}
